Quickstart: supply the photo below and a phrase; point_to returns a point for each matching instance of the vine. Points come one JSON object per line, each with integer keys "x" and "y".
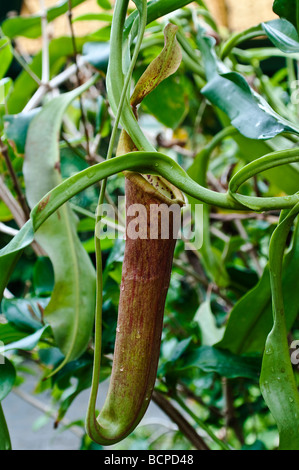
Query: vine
{"x": 139, "y": 157}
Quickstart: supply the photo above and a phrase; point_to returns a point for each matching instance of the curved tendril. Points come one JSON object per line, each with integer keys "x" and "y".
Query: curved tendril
{"x": 267, "y": 162}
{"x": 277, "y": 380}
{"x": 148, "y": 163}
{"x": 151, "y": 162}
{"x": 115, "y": 76}
{"x": 238, "y": 38}
{"x": 283, "y": 398}
{"x": 94, "y": 428}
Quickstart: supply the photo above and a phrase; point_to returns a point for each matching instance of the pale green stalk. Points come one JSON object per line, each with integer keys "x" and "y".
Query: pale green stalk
{"x": 277, "y": 381}
{"x": 238, "y": 38}
{"x": 117, "y": 26}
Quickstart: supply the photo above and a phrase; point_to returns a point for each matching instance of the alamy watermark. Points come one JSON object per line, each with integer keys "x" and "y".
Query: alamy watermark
{"x": 295, "y": 354}
{"x": 159, "y": 221}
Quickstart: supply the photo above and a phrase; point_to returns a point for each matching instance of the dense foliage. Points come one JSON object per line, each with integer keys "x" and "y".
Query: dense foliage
{"x": 222, "y": 116}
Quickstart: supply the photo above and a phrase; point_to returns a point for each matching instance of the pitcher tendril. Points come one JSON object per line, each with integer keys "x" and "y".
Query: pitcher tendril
{"x": 153, "y": 178}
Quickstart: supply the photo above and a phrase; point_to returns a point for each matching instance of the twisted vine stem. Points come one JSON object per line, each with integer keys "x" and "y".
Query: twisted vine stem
{"x": 148, "y": 161}
{"x": 92, "y": 424}
{"x": 277, "y": 380}
{"x": 117, "y": 89}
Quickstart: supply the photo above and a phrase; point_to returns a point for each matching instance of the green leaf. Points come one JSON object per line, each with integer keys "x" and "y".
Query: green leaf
{"x": 43, "y": 277}
{"x": 97, "y": 54}
{"x": 5, "y": 214}
{"x": 28, "y": 342}
{"x": 17, "y": 128}
{"x": 250, "y": 149}
{"x": 101, "y": 35}
{"x": 283, "y": 35}
{"x": 71, "y": 163}
{"x": 243, "y": 277}
{"x": 209, "y": 359}
{"x": 286, "y": 9}
{"x": 211, "y": 257}
{"x": 81, "y": 370}
{"x": 5, "y": 443}
{"x": 71, "y": 309}
{"x": 251, "y": 318}
{"x": 30, "y": 26}
{"x": 11, "y": 253}
{"x": 104, "y": 4}
{"x": 6, "y": 56}
{"x": 277, "y": 382}
{"x": 176, "y": 350}
{"x": 7, "y": 377}
{"x": 156, "y": 9}
{"x": 247, "y": 111}
{"x": 228, "y": 91}
{"x": 210, "y": 333}
{"x": 24, "y": 314}
{"x": 8, "y": 333}
{"x": 24, "y": 85}
{"x": 7, "y": 381}
{"x": 6, "y": 85}
{"x": 166, "y": 64}
{"x": 94, "y": 17}
{"x": 162, "y": 106}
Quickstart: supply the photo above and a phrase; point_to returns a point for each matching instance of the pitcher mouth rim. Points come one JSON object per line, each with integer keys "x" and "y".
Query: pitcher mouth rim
{"x": 176, "y": 196}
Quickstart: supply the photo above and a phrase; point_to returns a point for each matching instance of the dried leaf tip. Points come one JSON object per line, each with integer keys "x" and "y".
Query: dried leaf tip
{"x": 166, "y": 64}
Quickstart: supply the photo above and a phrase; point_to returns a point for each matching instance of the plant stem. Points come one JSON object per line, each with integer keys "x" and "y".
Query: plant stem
{"x": 257, "y": 166}
{"x": 8, "y": 230}
{"x": 230, "y": 418}
{"x": 74, "y": 148}
{"x": 183, "y": 425}
{"x": 150, "y": 163}
{"x": 203, "y": 281}
{"x": 54, "y": 83}
{"x": 11, "y": 203}
{"x": 16, "y": 184}
{"x": 45, "y": 46}
{"x": 251, "y": 250}
{"x": 22, "y": 62}
{"x": 237, "y": 38}
{"x": 277, "y": 381}
{"x": 156, "y": 9}
{"x": 19, "y": 213}
{"x": 116, "y": 38}
{"x": 5, "y": 443}
{"x": 76, "y": 430}
{"x": 84, "y": 121}
{"x": 201, "y": 424}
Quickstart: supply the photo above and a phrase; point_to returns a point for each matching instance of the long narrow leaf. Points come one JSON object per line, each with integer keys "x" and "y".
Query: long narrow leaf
{"x": 30, "y": 26}
{"x": 5, "y": 443}
{"x": 278, "y": 384}
{"x": 251, "y": 318}
{"x": 229, "y": 91}
{"x": 71, "y": 309}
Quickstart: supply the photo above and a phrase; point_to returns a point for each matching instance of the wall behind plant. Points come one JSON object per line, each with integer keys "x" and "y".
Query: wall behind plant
{"x": 235, "y": 14}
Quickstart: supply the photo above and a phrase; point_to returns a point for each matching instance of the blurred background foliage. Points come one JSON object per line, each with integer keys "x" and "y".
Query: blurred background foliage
{"x": 218, "y": 309}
